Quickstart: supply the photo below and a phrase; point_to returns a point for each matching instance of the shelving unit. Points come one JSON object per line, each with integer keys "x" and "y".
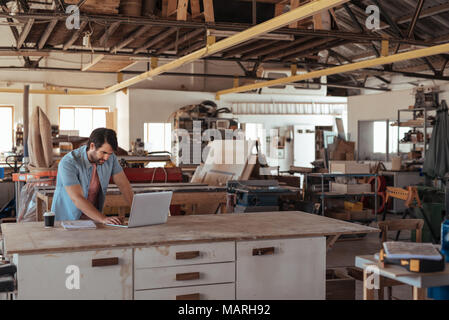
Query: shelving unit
{"x": 324, "y": 194}
{"x": 426, "y": 125}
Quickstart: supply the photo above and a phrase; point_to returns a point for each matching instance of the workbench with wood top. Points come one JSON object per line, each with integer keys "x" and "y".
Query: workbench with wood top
{"x": 270, "y": 255}
{"x": 183, "y": 194}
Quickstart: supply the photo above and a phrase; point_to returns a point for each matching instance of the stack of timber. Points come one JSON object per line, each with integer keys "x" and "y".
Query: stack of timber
{"x": 108, "y": 7}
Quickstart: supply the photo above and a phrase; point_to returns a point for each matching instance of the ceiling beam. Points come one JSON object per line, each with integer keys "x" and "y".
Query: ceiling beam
{"x": 429, "y": 12}
{"x": 271, "y": 49}
{"x": 303, "y": 47}
{"x": 105, "y": 19}
{"x": 132, "y": 37}
{"x": 24, "y": 34}
{"x": 186, "y": 37}
{"x": 108, "y": 33}
{"x": 414, "y": 54}
{"x": 74, "y": 36}
{"x": 247, "y": 47}
{"x": 163, "y": 35}
{"x": 48, "y": 30}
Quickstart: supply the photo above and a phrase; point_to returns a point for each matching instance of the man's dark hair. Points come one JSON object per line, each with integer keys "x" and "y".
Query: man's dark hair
{"x": 102, "y": 135}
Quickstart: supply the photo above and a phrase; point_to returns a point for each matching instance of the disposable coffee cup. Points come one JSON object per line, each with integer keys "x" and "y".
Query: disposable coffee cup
{"x": 49, "y": 219}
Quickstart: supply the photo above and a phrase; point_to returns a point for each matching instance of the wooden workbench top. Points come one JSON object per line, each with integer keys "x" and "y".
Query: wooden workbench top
{"x": 32, "y": 237}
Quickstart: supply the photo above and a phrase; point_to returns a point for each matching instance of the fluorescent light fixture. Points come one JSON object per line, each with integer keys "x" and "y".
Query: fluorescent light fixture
{"x": 268, "y": 36}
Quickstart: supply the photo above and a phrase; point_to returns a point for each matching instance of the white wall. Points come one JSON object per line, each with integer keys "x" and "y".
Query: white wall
{"x": 381, "y": 107}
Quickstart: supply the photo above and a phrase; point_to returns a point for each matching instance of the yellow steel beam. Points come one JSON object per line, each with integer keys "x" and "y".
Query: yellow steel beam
{"x": 414, "y": 54}
{"x": 302, "y": 12}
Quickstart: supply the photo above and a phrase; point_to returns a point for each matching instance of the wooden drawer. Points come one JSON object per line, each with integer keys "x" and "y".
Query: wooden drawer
{"x": 178, "y": 255}
{"x": 207, "y": 292}
{"x": 281, "y": 269}
{"x": 105, "y": 274}
{"x": 167, "y": 277}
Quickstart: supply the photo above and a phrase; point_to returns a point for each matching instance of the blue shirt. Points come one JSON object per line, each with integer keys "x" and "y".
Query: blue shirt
{"x": 75, "y": 168}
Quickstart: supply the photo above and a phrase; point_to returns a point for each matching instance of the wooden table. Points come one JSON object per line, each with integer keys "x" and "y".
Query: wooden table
{"x": 267, "y": 255}
{"x": 419, "y": 281}
{"x": 183, "y": 194}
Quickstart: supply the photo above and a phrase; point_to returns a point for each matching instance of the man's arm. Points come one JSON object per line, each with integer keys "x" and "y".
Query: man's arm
{"x": 76, "y": 195}
{"x": 123, "y": 184}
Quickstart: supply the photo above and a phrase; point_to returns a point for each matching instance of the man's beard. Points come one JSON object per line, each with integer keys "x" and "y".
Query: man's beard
{"x": 98, "y": 161}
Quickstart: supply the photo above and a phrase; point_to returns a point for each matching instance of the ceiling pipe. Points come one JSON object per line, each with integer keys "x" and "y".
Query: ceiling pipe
{"x": 305, "y": 11}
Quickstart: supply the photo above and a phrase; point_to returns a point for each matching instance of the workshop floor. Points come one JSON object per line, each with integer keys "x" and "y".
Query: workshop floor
{"x": 344, "y": 252}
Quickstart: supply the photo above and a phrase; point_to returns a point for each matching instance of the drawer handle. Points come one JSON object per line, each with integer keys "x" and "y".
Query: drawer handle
{"x": 187, "y": 276}
{"x": 105, "y": 262}
{"x": 193, "y": 296}
{"x": 263, "y": 251}
{"x": 187, "y": 255}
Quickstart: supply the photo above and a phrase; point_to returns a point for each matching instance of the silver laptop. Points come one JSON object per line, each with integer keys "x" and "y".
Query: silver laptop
{"x": 148, "y": 209}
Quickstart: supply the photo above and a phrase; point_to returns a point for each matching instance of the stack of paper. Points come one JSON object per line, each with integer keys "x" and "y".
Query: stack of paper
{"x": 411, "y": 250}
{"x": 79, "y": 225}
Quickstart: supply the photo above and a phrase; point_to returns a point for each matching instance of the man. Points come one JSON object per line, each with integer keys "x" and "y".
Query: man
{"x": 83, "y": 178}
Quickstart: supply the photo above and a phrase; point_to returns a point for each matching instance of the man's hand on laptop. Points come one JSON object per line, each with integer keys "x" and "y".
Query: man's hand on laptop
{"x": 111, "y": 220}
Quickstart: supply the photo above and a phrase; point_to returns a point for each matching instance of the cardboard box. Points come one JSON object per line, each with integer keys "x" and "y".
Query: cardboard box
{"x": 353, "y": 206}
{"x": 350, "y": 188}
{"x": 335, "y": 155}
{"x": 348, "y": 167}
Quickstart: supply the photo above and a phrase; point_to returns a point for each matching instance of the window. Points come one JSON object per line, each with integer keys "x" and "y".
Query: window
{"x": 157, "y": 137}
{"x": 372, "y": 140}
{"x": 82, "y": 119}
{"x": 6, "y": 128}
{"x": 255, "y": 132}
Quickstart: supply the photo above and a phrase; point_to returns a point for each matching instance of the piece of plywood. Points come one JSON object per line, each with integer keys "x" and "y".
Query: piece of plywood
{"x": 32, "y": 237}
{"x": 227, "y": 160}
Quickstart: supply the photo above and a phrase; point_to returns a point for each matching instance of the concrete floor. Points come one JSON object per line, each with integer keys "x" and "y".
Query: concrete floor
{"x": 344, "y": 252}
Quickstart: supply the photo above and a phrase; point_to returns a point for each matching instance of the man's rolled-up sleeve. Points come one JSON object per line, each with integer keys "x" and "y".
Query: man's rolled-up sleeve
{"x": 116, "y": 167}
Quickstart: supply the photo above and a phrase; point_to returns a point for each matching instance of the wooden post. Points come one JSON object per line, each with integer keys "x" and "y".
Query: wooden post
{"x": 419, "y": 293}
{"x": 195, "y": 7}
{"x": 293, "y": 5}
{"x": 279, "y": 9}
{"x": 209, "y": 15}
{"x": 182, "y": 10}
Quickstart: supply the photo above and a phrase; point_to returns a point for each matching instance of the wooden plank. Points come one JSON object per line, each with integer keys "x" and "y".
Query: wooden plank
{"x": 156, "y": 39}
{"x": 279, "y": 9}
{"x": 209, "y": 15}
{"x": 75, "y": 36}
{"x": 132, "y": 37}
{"x": 33, "y": 238}
{"x": 182, "y": 10}
{"x": 195, "y": 7}
{"x": 171, "y": 7}
{"x": 109, "y": 32}
{"x": 24, "y": 34}
{"x": 47, "y": 33}
{"x": 293, "y": 5}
